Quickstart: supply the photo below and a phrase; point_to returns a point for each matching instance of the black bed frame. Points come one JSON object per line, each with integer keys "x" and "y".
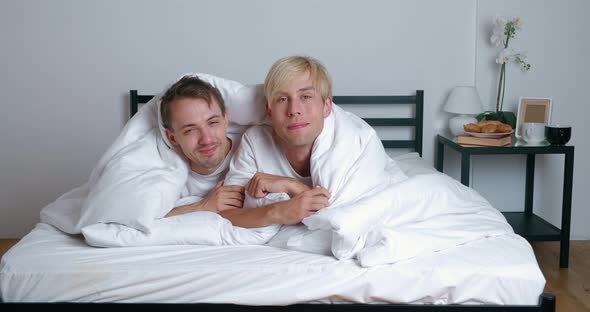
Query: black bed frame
{"x": 546, "y": 300}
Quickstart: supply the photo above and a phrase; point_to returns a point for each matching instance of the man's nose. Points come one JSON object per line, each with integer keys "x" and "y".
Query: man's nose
{"x": 206, "y": 137}
{"x": 294, "y": 107}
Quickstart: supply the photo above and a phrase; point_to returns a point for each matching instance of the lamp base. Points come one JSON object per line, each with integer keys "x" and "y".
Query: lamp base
{"x": 456, "y": 123}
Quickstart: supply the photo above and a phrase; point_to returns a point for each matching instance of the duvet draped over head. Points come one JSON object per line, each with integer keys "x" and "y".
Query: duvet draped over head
{"x": 377, "y": 213}
{"x": 140, "y": 176}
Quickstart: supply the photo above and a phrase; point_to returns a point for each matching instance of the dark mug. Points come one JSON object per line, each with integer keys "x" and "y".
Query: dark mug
{"x": 557, "y": 134}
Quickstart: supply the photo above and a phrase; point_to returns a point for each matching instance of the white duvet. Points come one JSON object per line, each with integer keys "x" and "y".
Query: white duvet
{"x": 140, "y": 178}
{"x": 377, "y": 214}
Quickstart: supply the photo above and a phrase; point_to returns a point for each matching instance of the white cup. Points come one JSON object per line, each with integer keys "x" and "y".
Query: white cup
{"x": 533, "y": 132}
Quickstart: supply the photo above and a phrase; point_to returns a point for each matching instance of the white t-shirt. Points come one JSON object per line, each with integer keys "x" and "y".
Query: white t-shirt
{"x": 200, "y": 185}
{"x": 260, "y": 152}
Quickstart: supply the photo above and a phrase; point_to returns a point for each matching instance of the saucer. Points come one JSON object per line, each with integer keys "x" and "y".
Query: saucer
{"x": 521, "y": 142}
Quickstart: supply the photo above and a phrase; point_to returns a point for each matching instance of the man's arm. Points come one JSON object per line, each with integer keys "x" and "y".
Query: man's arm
{"x": 243, "y": 171}
{"x": 262, "y": 184}
{"x": 218, "y": 199}
{"x": 291, "y": 211}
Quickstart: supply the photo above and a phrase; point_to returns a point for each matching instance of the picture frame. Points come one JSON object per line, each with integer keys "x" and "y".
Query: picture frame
{"x": 532, "y": 109}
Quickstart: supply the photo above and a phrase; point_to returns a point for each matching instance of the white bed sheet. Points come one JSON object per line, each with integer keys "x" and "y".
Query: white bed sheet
{"x": 48, "y": 265}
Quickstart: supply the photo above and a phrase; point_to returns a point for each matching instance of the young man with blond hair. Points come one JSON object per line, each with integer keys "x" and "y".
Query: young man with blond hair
{"x": 275, "y": 159}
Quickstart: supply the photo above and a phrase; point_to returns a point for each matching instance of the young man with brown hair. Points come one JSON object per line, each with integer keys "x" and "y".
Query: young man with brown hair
{"x": 195, "y": 121}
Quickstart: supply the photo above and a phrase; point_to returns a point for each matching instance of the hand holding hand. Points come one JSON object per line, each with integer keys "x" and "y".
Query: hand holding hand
{"x": 223, "y": 197}
{"x": 302, "y": 205}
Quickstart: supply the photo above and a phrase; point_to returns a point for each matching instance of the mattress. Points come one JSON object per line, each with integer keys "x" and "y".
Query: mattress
{"x": 48, "y": 265}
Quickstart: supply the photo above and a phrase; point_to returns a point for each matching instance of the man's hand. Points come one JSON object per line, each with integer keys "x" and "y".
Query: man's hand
{"x": 223, "y": 197}
{"x": 261, "y": 184}
{"x": 218, "y": 199}
{"x": 301, "y": 206}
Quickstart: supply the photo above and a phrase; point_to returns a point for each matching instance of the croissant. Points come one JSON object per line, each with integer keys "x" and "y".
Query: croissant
{"x": 487, "y": 126}
{"x": 471, "y": 127}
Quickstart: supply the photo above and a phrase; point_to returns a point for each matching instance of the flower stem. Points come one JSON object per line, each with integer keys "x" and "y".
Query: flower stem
{"x": 508, "y": 33}
{"x": 502, "y": 82}
{"x": 503, "y": 86}
{"x": 500, "y": 97}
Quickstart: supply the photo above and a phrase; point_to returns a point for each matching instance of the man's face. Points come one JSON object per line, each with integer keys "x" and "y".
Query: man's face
{"x": 199, "y": 130}
{"x": 297, "y": 112}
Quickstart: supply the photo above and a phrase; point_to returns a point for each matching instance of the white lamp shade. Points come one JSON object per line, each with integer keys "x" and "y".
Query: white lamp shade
{"x": 464, "y": 100}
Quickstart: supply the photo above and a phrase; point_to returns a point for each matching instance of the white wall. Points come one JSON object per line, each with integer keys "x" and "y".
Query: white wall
{"x": 555, "y": 35}
{"x": 66, "y": 68}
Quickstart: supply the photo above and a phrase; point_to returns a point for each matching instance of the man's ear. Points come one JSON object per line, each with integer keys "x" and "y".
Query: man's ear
{"x": 327, "y": 106}
{"x": 170, "y": 136}
{"x": 268, "y": 111}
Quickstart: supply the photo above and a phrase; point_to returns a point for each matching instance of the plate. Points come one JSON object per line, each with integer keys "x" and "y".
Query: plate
{"x": 523, "y": 143}
{"x": 489, "y": 135}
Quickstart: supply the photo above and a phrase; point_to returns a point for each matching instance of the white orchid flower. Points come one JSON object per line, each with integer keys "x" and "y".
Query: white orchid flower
{"x": 500, "y": 22}
{"x": 504, "y": 56}
{"x": 499, "y": 33}
{"x": 497, "y": 37}
{"x": 504, "y": 30}
{"x": 517, "y": 22}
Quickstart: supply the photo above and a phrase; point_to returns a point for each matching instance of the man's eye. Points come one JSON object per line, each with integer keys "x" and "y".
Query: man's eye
{"x": 213, "y": 123}
{"x": 282, "y": 99}
{"x": 188, "y": 131}
{"x": 306, "y": 97}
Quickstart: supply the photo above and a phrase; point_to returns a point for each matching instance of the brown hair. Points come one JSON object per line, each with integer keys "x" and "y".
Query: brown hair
{"x": 189, "y": 87}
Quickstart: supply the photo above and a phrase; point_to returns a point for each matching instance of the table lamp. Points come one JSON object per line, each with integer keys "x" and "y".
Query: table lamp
{"x": 465, "y": 101}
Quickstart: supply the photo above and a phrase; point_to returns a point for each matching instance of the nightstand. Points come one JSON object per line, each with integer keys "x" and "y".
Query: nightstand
{"x": 526, "y": 223}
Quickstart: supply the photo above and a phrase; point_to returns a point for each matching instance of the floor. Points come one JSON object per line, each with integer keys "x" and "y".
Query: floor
{"x": 571, "y": 286}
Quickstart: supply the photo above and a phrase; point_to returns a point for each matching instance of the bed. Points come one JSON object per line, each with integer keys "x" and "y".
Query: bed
{"x": 495, "y": 274}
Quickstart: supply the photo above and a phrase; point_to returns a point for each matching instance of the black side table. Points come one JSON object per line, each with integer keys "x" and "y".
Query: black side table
{"x": 526, "y": 224}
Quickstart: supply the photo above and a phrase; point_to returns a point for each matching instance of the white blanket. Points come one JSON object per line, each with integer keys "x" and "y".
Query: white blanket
{"x": 140, "y": 178}
{"x": 376, "y": 213}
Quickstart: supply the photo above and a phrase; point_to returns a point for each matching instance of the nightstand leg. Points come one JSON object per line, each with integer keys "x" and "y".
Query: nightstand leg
{"x": 568, "y": 176}
{"x": 440, "y": 153}
{"x": 529, "y": 184}
{"x": 465, "y": 159}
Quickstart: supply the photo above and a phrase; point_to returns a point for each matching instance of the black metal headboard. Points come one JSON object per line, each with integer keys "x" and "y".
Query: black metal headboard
{"x": 416, "y": 122}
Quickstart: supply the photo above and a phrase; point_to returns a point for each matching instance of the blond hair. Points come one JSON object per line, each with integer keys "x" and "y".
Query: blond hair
{"x": 286, "y": 69}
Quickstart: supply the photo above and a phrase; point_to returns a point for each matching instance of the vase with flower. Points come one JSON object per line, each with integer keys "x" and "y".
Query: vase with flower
{"x": 504, "y": 30}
